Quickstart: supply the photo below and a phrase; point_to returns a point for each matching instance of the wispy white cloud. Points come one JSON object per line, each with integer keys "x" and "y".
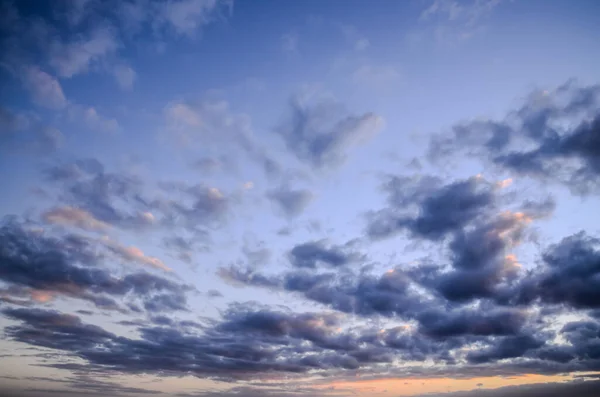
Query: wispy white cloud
{"x": 77, "y": 57}
{"x": 134, "y": 254}
{"x": 180, "y": 116}
{"x": 362, "y": 44}
{"x": 90, "y": 117}
{"x": 125, "y": 76}
{"x": 216, "y": 126}
{"x": 45, "y": 90}
{"x": 75, "y": 217}
{"x": 187, "y": 16}
{"x": 354, "y": 37}
{"x": 289, "y": 42}
{"x": 453, "y": 20}
{"x": 376, "y": 76}
{"x": 467, "y": 12}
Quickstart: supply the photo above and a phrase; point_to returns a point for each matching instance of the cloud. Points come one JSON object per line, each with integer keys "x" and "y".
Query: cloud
{"x": 213, "y": 293}
{"x": 134, "y": 254}
{"x": 468, "y": 12}
{"x": 468, "y": 309}
{"x": 217, "y": 126}
{"x": 508, "y": 347}
{"x": 455, "y": 20}
{"x": 321, "y": 135}
{"x": 425, "y": 207}
{"x": 181, "y": 114}
{"x": 97, "y": 33}
{"x": 45, "y": 89}
{"x": 185, "y": 17}
{"x": 388, "y": 295}
{"x": 72, "y": 171}
{"x": 581, "y": 145}
{"x": 552, "y": 137}
{"x": 362, "y": 44}
{"x": 89, "y": 116}
{"x": 250, "y": 340}
{"x": 313, "y": 253}
{"x": 125, "y": 76}
{"x": 289, "y": 42}
{"x": 258, "y": 256}
{"x": 71, "y": 216}
{"x": 70, "y": 266}
{"x": 111, "y": 198}
{"x": 376, "y": 77}
{"x": 568, "y": 275}
{"x": 209, "y": 165}
{"x": 201, "y": 205}
{"x": 246, "y": 343}
{"x": 23, "y": 133}
{"x": 127, "y": 202}
{"x": 183, "y": 248}
{"x": 72, "y": 58}
{"x": 442, "y": 324}
{"x": 292, "y": 202}
{"x": 246, "y": 276}
{"x": 482, "y": 264}
{"x": 354, "y": 37}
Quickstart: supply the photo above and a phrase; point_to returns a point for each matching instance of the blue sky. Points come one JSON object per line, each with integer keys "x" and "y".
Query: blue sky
{"x": 301, "y": 198}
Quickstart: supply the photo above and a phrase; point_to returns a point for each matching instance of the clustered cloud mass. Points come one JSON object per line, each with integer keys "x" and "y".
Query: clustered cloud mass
{"x": 476, "y": 295}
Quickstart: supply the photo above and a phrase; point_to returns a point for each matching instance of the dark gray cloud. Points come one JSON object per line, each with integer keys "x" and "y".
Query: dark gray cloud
{"x": 480, "y": 295}
{"x": 247, "y": 342}
{"x": 506, "y": 347}
{"x": 438, "y": 323}
{"x": 552, "y": 137}
{"x": 568, "y": 275}
{"x": 427, "y": 208}
{"x": 313, "y": 253}
{"x": 250, "y": 341}
{"x": 394, "y": 294}
{"x": 321, "y": 133}
{"x": 291, "y": 202}
{"x": 389, "y": 295}
{"x": 553, "y": 155}
{"x": 480, "y": 258}
{"x": 464, "y": 215}
{"x": 43, "y": 266}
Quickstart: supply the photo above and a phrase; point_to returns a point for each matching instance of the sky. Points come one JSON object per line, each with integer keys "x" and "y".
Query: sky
{"x": 235, "y": 198}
